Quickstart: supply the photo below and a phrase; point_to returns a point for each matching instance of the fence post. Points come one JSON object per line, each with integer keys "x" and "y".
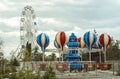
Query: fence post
{"x": 96, "y": 68}
{"x": 113, "y": 68}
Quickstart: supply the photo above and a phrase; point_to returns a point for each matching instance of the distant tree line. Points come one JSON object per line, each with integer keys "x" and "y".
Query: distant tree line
{"x": 113, "y": 52}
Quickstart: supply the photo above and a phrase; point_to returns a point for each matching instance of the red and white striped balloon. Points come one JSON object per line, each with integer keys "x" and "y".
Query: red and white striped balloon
{"x": 105, "y": 40}
{"x": 61, "y": 39}
{"x": 81, "y": 42}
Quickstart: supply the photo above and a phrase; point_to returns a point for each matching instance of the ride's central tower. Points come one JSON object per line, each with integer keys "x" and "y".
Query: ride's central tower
{"x": 73, "y": 45}
{"x": 72, "y": 56}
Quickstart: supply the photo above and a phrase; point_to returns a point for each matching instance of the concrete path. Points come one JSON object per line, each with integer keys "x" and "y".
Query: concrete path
{"x": 88, "y": 75}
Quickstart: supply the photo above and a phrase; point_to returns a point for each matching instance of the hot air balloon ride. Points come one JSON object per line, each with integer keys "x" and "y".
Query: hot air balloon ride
{"x": 73, "y": 57}
{"x": 81, "y": 45}
{"x": 105, "y": 40}
{"x": 43, "y": 42}
{"x": 98, "y": 46}
{"x": 58, "y": 47}
{"x": 61, "y": 39}
{"x": 81, "y": 42}
{"x": 56, "y": 44}
{"x": 89, "y": 38}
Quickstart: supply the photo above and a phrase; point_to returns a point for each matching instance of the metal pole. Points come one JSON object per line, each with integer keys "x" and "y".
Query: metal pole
{"x": 96, "y": 68}
{"x": 59, "y": 54}
{"x": 43, "y": 56}
{"x": 104, "y": 56}
{"x": 100, "y": 56}
{"x": 3, "y": 64}
{"x": 113, "y": 68}
{"x": 62, "y": 56}
{"x": 81, "y": 54}
{"x": 89, "y": 55}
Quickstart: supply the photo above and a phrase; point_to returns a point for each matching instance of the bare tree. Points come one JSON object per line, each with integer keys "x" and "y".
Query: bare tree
{"x": 1, "y": 43}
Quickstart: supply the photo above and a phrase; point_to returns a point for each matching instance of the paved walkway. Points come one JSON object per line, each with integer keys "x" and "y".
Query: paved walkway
{"x": 88, "y": 75}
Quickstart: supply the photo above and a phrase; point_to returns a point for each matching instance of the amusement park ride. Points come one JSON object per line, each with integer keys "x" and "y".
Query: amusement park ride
{"x": 73, "y": 55}
{"x": 28, "y": 30}
{"x": 28, "y": 27}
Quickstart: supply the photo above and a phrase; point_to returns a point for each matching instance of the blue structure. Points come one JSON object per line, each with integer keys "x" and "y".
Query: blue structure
{"x": 73, "y": 57}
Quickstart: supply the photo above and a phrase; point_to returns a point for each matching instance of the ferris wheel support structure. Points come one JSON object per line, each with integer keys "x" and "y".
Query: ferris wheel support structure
{"x": 28, "y": 27}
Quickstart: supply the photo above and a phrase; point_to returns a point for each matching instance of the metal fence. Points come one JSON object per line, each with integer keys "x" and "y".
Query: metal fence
{"x": 61, "y": 66}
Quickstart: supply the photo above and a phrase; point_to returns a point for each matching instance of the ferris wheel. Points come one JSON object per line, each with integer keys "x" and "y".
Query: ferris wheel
{"x": 28, "y": 28}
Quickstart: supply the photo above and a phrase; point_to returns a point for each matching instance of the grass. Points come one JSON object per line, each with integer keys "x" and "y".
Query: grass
{"x": 28, "y": 74}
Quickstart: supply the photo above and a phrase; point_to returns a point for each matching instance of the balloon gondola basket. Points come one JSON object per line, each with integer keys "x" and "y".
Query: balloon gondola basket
{"x": 85, "y": 67}
{"x": 61, "y": 66}
{"x": 76, "y": 66}
{"x": 91, "y": 67}
{"x": 43, "y": 66}
{"x": 104, "y": 66}
{"x": 109, "y": 66}
{"x": 98, "y": 65}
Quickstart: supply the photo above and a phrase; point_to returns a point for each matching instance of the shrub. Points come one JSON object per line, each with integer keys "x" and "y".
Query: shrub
{"x": 49, "y": 74}
{"x": 118, "y": 72}
{"x": 23, "y": 74}
{"x": 5, "y": 75}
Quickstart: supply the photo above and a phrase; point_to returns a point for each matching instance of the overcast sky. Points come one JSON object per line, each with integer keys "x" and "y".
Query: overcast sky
{"x": 78, "y": 16}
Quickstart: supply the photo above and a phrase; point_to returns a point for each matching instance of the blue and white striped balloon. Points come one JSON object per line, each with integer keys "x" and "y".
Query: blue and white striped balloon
{"x": 90, "y": 39}
{"x": 56, "y": 44}
{"x": 43, "y": 41}
{"x": 97, "y": 45}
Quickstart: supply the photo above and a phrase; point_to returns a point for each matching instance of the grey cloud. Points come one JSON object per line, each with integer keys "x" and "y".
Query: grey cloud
{"x": 93, "y": 13}
{"x": 102, "y": 15}
{"x": 63, "y": 26}
{"x": 6, "y": 28}
{"x": 75, "y": 14}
